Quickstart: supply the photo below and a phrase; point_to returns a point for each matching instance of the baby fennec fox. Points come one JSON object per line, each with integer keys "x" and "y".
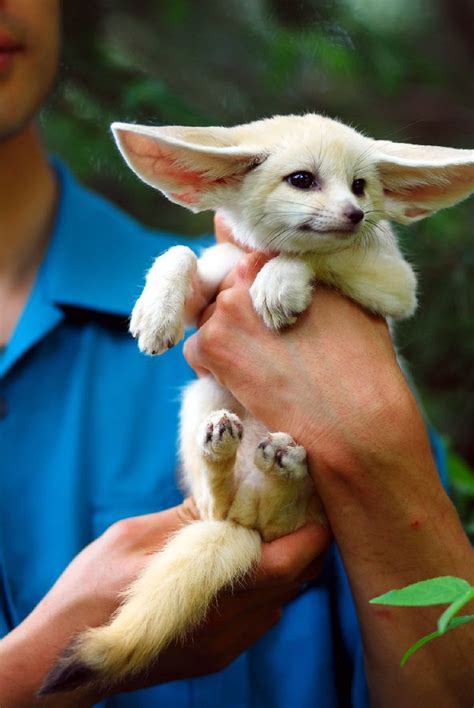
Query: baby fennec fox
{"x": 318, "y": 193}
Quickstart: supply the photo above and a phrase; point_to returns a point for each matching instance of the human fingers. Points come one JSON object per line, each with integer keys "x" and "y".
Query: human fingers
{"x": 312, "y": 571}
{"x": 245, "y": 272}
{"x": 223, "y": 642}
{"x": 149, "y": 532}
{"x": 291, "y": 557}
{"x": 247, "y": 597}
{"x": 205, "y": 316}
{"x": 296, "y": 557}
{"x": 256, "y": 625}
{"x": 206, "y": 652}
{"x": 242, "y": 275}
{"x": 233, "y": 295}
{"x": 247, "y": 269}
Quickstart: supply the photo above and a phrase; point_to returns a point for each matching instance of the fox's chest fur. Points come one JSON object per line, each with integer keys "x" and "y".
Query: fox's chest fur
{"x": 319, "y": 194}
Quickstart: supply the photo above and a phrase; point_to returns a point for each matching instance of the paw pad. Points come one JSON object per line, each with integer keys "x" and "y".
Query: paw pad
{"x": 221, "y": 435}
{"x": 278, "y": 454}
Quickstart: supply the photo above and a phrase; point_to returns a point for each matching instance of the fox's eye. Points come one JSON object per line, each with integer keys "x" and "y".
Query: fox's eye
{"x": 358, "y": 187}
{"x": 302, "y": 180}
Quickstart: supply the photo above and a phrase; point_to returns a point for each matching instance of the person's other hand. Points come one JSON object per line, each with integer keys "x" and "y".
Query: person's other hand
{"x": 88, "y": 592}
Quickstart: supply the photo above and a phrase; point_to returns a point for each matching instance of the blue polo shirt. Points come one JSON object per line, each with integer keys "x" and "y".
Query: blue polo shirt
{"x": 88, "y": 431}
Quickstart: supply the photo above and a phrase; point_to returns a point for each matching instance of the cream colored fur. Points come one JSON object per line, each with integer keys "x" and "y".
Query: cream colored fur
{"x": 165, "y": 603}
{"x": 251, "y": 484}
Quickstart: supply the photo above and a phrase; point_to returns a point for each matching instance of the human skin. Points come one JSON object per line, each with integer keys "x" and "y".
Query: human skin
{"x": 26, "y": 75}
{"x": 28, "y": 189}
{"x": 335, "y": 385}
{"x": 85, "y": 594}
{"x": 89, "y": 590}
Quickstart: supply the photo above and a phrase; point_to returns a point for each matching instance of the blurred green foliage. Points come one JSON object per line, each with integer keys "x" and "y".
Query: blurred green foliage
{"x": 400, "y": 70}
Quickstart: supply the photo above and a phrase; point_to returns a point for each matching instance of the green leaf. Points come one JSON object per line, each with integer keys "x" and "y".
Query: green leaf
{"x": 436, "y": 591}
{"x": 456, "y": 622}
{"x": 449, "y": 613}
{"x": 417, "y": 645}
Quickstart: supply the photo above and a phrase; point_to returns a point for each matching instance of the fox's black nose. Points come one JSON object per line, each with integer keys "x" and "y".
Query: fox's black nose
{"x": 354, "y": 215}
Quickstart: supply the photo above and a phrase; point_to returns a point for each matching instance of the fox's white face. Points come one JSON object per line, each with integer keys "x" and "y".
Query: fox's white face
{"x": 297, "y": 183}
{"x": 315, "y": 191}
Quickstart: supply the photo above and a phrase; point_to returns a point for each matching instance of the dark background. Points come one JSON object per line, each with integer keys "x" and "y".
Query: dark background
{"x": 399, "y": 70}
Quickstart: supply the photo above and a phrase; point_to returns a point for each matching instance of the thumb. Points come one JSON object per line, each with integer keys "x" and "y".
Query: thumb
{"x": 286, "y": 558}
{"x": 155, "y": 529}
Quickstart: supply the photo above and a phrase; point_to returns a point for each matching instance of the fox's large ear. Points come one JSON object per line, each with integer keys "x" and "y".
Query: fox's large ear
{"x": 194, "y": 167}
{"x": 419, "y": 180}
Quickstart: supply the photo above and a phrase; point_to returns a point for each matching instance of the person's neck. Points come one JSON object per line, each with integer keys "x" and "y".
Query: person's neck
{"x": 28, "y": 193}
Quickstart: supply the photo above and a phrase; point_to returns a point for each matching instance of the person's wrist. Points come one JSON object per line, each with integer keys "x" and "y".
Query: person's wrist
{"x": 388, "y": 483}
{"x": 375, "y": 430}
{"x": 26, "y": 655}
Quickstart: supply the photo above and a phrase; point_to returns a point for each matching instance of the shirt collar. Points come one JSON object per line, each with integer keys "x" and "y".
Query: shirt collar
{"x": 93, "y": 270}
{"x": 98, "y": 255}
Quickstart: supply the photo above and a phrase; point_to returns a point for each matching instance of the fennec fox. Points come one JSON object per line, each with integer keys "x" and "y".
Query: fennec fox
{"x": 318, "y": 193}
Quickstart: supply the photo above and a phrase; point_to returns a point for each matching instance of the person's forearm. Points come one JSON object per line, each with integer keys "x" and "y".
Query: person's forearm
{"x": 332, "y": 381}
{"x": 391, "y": 535}
{"x": 90, "y": 589}
{"x": 26, "y": 655}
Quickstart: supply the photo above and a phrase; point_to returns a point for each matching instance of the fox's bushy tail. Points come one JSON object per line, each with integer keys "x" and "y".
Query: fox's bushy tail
{"x": 171, "y": 595}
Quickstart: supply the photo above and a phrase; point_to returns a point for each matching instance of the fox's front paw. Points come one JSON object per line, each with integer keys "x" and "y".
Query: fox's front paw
{"x": 155, "y": 329}
{"x": 158, "y": 316}
{"x": 220, "y": 435}
{"x": 282, "y": 290}
{"x": 278, "y": 454}
{"x": 404, "y": 304}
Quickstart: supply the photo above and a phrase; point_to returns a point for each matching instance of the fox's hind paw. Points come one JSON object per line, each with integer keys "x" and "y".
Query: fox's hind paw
{"x": 220, "y": 435}
{"x": 278, "y": 454}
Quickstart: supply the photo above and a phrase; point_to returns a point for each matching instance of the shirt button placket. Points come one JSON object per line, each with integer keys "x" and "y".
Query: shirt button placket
{"x": 3, "y": 405}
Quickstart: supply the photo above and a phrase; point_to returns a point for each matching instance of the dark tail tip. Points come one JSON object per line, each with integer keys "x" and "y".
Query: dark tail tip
{"x": 66, "y": 677}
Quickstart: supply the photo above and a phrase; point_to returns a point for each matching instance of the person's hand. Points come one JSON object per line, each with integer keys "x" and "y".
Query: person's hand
{"x": 89, "y": 590}
{"x": 332, "y": 378}
{"x": 240, "y": 618}
{"x": 333, "y": 382}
